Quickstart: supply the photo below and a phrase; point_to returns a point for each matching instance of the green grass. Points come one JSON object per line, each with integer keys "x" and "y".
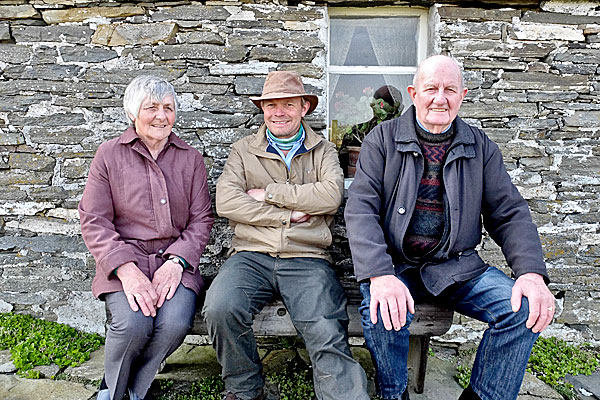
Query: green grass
{"x": 552, "y": 359}
{"x": 209, "y": 388}
{"x": 292, "y": 385}
{"x": 463, "y": 376}
{"x": 34, "y": 342}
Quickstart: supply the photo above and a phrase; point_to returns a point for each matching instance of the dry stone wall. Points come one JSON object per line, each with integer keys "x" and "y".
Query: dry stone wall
{"x": 533, "y": 75}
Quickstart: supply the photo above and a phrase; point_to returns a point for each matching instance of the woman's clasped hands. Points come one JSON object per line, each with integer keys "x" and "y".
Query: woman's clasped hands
{"x": 145, "y": 295}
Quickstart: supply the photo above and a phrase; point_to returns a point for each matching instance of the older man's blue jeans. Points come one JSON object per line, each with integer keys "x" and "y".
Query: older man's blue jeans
{"x": 502, "y": 355}
{"x": 316, "y": 303}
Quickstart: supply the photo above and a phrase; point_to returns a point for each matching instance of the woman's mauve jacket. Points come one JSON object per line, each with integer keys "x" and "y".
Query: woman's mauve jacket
{"x": 138, "y": 209}
{"x": 477, "y": 187}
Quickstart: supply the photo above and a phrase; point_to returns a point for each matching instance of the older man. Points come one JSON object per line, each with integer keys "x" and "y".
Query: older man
{"x": 425, "y": 182}
{"x": 280, "y": 189}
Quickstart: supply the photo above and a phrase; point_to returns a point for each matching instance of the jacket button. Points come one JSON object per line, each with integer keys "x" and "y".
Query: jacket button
{"x": 270, "y": 196}
{"x": 284, "y": 222}
{"x": 161, "y": 251}
{"x": 415, "y": 154}
{"x": 402, "y": 211}
{"x": 163, "y": 201}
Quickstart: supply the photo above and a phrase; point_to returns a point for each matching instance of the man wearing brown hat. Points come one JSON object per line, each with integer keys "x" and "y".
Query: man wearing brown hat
{"x": 280, "y": 189}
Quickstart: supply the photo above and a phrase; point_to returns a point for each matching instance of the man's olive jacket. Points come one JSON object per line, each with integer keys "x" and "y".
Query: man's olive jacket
{"x": 314, "y": 185}
{"x": 477, "y": 189}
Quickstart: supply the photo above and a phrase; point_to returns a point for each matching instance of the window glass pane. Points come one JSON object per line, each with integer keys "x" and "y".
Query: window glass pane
{"x": 350, "y": 96}
{"x": 383, "y": 41}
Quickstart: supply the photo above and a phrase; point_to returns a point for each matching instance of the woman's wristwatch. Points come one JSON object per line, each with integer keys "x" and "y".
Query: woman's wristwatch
{"x": 180, "y": 261}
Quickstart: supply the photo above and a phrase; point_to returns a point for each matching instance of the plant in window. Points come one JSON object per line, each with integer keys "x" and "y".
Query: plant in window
{"x": 383, "y": 110}
{"x": 386, "y": 103}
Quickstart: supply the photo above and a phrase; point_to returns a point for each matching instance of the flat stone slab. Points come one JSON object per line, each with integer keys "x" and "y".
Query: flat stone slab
{"x": 14, "y": 388}
{"x": 441, "y": 384}
{"x": 589, "y": 383}
{"x": 6, "y": 364}
{"x": 90, "y": 371}
{"x": 439, "y": 381}
{"x": 534, "y": 389}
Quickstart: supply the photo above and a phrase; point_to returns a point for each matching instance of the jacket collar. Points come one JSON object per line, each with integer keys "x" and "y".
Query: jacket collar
{"x": 406, "y": 134}
{"x": 130, "y": 136}
{"x": 260, "y": 142}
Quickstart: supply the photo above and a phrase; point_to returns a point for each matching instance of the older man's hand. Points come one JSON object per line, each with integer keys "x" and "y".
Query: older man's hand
{"x": 541, "y": 300}
{"x": 166, "y": 281}
{"x": 393, "y": 298}
{"x": 138, "y": 289}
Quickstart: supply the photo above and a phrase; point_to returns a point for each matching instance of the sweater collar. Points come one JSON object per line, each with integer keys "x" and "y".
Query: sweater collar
{"x": 130, "y": 136}
{"x": 407, "y": 129}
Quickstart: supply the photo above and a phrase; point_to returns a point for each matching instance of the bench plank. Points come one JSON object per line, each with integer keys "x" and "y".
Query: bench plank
{"x": 274, "y": 320}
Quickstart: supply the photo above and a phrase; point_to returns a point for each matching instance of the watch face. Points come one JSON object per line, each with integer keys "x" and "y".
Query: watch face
{"x": 178, "y": 260}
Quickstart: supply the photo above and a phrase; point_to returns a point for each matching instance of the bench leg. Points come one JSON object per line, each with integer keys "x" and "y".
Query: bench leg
{"x": 417, "y": 362}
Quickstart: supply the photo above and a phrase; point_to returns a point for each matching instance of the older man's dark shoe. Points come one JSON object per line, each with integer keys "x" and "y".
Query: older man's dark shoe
{"x": 469, "y": 394}
{"x": 405, "y": 395}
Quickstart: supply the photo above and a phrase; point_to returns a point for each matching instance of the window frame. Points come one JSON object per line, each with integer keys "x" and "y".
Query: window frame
{"x": 385, "y": 11}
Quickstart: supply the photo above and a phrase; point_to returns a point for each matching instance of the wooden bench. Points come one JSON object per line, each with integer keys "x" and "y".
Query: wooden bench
{"x": 430, "y": 320}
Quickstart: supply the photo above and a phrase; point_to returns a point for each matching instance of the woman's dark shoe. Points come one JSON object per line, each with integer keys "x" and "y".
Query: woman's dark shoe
{"x": 103, "y": 383}
{"x": 132, "y": 395}
{"x": 469, "y": 394}
{"x": 103, "y": 392}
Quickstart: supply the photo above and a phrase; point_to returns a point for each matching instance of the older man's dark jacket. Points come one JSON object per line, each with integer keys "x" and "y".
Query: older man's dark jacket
{"x": 477, "y": 187}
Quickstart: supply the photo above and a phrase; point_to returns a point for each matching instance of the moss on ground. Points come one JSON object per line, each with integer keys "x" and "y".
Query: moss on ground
{"x": 34, "y": 342}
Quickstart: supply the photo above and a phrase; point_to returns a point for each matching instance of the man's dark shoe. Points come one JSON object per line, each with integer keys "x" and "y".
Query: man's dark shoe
{"x": 231, "y": 396}
{"x": 469, "y": 394}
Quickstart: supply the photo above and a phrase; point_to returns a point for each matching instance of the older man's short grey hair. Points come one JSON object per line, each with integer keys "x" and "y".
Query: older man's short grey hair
{"x": 143, "y": 87}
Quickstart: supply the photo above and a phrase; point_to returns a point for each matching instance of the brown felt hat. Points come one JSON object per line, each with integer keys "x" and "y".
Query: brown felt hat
{"x": 282, "y": 85}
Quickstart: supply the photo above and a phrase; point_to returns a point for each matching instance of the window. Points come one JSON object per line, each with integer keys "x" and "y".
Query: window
{"x": 370, "y": 48}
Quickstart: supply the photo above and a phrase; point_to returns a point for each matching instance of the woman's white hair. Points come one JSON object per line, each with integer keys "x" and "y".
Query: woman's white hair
{"x": 143, "y": 87}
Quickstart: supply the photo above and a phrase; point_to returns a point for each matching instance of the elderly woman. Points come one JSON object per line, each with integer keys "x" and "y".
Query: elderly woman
{"x": 146, "y": 218}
